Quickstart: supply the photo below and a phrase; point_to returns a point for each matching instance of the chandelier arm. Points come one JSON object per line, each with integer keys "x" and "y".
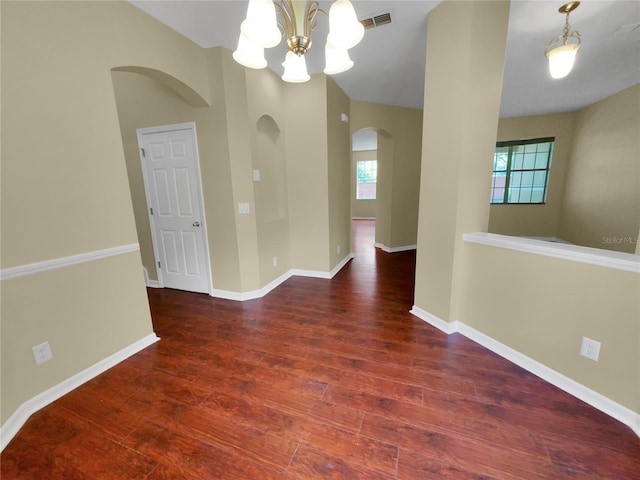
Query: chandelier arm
{"x": 286, "y": 20}
{"x": 311, "y": 10}
{"x": 562, "y": 39}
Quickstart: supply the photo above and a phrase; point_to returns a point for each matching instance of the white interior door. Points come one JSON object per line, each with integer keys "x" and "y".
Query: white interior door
{"x": 171, "y": 173}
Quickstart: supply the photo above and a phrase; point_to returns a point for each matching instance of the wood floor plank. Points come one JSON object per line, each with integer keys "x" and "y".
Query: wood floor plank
{"x": 320, "y": 379}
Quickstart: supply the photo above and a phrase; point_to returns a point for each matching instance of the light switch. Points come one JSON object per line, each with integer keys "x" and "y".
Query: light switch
{"x": 256, "y": 175}
{"x": 243, "y": 208}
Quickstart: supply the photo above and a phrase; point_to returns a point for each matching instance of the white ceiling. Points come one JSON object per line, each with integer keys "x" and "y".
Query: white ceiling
{"x": 389, "y": 62}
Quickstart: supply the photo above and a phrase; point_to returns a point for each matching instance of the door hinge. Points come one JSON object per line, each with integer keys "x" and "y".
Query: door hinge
{"x": 151, "y": 210}
{"x": 159, "y": 266}
{"x": 143, "y": 154}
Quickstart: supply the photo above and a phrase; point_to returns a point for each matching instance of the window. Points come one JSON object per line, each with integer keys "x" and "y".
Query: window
{"x": 521, "y": 171}
{"x": 366, "y": 179}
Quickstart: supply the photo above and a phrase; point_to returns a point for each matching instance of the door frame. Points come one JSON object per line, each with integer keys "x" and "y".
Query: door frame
{"x": 191, "y": 127}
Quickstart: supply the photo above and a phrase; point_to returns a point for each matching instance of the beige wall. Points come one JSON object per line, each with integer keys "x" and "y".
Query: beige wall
{"x": 536, "y": 220}
{"x": 308, "y": 173}
{"x": 339, "y": 154}
{"x": 362, "y": 208}
{"x": 543, "y": 306}
{"x": 399, "y": 152}
{"x": 64, "y": 183}
{"x": 459, "y": 130}
{"x": 601, "y": 206}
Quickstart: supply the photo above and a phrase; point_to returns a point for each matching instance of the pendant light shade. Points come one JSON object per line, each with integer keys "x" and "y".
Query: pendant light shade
{"x": 249, "y": 54}
{"x": 295, "y": 68}
{"x": 337, "y": 60}
{"x": 261, "y": 25}
{"x": 344, "y": 29}
{"x": 562, "y": 59}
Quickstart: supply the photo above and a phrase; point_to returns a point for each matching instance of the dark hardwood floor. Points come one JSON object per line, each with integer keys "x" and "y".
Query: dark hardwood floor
{"x": 319, "y": 379}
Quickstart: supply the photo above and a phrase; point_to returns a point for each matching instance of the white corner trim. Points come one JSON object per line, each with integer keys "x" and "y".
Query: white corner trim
{"x": 446, "y": 327}
{"x": 31, "y": 406}
{"x": 148, "y": 282}
{"x": 593, "y": 398}
{"x": 593, "y": 256}
{"x": 341, "y": 264}
{"x": 38, "y": 267}
{"x": 404, "y": 248}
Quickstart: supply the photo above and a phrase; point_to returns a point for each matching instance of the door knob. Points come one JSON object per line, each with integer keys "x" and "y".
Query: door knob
{"x": 196, "y": 224}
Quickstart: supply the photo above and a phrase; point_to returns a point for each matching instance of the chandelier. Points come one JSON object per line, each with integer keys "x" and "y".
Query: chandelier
{"x": 268, "y": 21}
{"x": 560, "y": 51}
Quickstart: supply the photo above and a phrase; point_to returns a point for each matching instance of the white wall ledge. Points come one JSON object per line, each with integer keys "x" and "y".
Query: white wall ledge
{"x": 574, "y": 253}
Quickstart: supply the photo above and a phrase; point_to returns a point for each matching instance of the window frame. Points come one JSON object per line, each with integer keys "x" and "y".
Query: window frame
{"x": 510, "y": 170}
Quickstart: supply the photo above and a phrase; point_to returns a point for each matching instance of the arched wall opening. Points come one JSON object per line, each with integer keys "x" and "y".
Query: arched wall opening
{"x": 372, "y": 150}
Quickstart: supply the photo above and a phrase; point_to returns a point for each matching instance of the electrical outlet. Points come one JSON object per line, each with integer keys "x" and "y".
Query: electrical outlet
{"x": 275, "y": 261}
{"x": 590, "y": 349}
{"x": 339, "y": 248}
{"x": 42, "y": 353}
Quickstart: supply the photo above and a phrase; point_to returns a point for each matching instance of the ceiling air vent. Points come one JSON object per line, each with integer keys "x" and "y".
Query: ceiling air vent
{"x": 376, "y": 20}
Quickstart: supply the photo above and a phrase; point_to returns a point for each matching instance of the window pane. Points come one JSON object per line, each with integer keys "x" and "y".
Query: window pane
{"x": 500, "y": 159}
{"x": 540, "y": 178}
{"x": 497, "y": 187}
{"x": 366, "y": 178}
{"x": 529, "y": 161}
{"x": 541, "y": 160}
{"x": 537, "y": 195}
{"x": 527, "y": 179}
{"x": 516, "y": 163}
{"x": 544, "y": 147}
{"x": 515, "y": 180}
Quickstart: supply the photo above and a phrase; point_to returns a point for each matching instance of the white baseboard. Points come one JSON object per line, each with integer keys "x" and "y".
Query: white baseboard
{"x": 593, "y": 398}
{"x": 384, "y": 248}
{"x": 253, "y": 294}
{"x": 28, "y": 408}
{"x": 148, "y": 282}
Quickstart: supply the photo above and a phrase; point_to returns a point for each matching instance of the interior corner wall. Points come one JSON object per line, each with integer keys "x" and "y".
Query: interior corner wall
{"x": 241, "y": 133}
{"x": 307, "y": 173}
{"x": 399, "y": 159}
{"x": 459, "y": 130}
{"x": 339, "y": 174}
{"x": 536, "y": 220}
{"x": 266, "y": 116}
{"x": 67, "y": 193}
{"x": 601, "y": 206}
